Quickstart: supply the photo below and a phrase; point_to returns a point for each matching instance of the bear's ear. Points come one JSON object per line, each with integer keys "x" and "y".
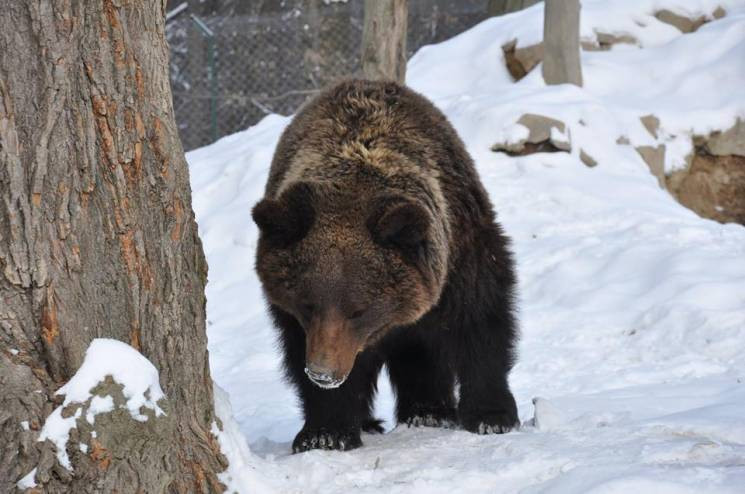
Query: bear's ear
{"x": 398, "y": 222}
{"x": 287, "y": 219}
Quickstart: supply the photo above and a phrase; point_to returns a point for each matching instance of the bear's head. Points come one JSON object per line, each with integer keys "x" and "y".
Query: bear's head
{"x": 349, "y": 266}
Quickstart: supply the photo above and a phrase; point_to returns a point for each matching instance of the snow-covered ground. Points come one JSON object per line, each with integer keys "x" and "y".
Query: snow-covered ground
{"x": 632, "y": 308}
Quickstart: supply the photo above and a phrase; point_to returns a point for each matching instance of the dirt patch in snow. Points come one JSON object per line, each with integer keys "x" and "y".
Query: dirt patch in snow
{"x": 713, "y": 182}
{"x": 712, "y": 186}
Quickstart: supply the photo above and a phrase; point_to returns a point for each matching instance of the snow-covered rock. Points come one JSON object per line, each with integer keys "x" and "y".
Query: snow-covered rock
{"x": 541, "y": 130}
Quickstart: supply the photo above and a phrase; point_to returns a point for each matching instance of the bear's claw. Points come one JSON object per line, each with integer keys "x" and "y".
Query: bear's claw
{"x": 490, "y": 422}
{"x": 308, "y": 439}
{"x": 492, "y": 429}
{"x": 429, "y": 420}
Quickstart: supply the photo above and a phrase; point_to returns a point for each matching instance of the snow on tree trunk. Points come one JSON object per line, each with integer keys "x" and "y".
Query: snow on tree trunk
{"x": 97, "y": 239}
{"x": 561, "y": 60}
{"x": 384, "y": 40}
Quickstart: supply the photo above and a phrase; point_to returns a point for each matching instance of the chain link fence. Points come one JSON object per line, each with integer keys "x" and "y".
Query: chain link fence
{"x": 229, "y": 71}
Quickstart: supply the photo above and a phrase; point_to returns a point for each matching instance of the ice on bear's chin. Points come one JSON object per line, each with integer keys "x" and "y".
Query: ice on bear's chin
{"x": 324, "y": 381}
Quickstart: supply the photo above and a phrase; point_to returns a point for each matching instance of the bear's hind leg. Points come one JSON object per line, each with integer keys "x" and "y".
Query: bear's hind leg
{"x": 423, "y": 381}
{"x": 484, "y": 333}
{"x": 486, "y": 404}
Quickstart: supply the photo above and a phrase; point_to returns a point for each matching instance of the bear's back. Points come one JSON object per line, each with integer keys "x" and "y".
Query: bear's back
{"x": 375, "y": 136}
{"x": 373, "y": 122}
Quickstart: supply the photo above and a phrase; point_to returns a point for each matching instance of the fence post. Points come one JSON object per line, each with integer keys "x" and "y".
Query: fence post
{"x": 209, "y": 35}
{"x": 561, "y": 59}
{"x": 384, "y": 40}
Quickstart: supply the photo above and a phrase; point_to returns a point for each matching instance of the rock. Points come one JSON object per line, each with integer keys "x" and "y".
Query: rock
{"x": 729, "y": 142}
{"x": 604, "y": 41}
{"x": 623, "y": 140}
{"x": 529, "y": 56}
{"x": 713, "y": 182}
{"x": 545, "y": 134}
{"x": 651, "y": 123}
{"x": 511, "y": 148}
{"x": 587, "y": 159}
{"x": 682, "y": 23}
{"x": 512, "y": 139}
{"x": 712, "y": 186}
{"x": 540, "y": 127}
{"x": 527, "y": 148}
{"x": 654, "y": 157}
{"x": 560, "y": 140}
{"x": 520, "y": 61}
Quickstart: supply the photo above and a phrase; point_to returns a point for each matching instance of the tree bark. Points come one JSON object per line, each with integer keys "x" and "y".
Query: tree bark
{"x": 561, "y": 59}
{"x": 384, "y": 40}
{"x": 97, "y": 239}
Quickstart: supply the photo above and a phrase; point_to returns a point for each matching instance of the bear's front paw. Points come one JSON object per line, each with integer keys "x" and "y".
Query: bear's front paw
{"x": 430, "y": 417}
{"x": 341, "y": 440}
{"x": 489, "y": 422}
{"x": 429, "y": 420}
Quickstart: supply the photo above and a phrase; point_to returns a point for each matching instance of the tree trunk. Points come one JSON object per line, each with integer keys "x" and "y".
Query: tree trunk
{"x": 500, "y": 7}
{"x": 384, "y": 40}
{"x": 561, "y": 59}
{"x": 97, "y": 239}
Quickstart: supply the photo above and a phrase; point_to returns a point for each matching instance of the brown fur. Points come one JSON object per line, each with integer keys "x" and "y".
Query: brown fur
{"x": 332, "y": 343}
{"x": 374, "y": 219}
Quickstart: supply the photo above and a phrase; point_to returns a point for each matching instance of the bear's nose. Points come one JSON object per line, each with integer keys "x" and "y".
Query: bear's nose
{"x": 323, "y": 377}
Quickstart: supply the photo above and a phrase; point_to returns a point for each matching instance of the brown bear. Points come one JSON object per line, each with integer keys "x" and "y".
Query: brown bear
{"x": 378, "y": 245}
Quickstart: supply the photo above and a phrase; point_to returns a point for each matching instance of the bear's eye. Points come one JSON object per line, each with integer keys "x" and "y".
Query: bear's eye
{"x": 307, "y": 309}
{"x": 357, "y": 314}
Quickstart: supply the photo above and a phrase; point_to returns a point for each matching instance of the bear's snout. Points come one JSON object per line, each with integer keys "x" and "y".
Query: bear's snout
{"x": 323, "y": 378}
{"x": 331, "y": 348}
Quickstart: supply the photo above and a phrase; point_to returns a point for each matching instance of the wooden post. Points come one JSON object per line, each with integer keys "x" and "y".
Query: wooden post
{"x": 384, "y": 40}
{"x": 561, "y": 60}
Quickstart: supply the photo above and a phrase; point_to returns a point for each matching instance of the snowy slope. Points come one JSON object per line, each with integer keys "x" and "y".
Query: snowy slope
{"x": 632, "y": 308}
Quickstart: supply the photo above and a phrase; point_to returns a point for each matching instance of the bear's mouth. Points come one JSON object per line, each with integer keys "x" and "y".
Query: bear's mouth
{"x": 325, "y": 381}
